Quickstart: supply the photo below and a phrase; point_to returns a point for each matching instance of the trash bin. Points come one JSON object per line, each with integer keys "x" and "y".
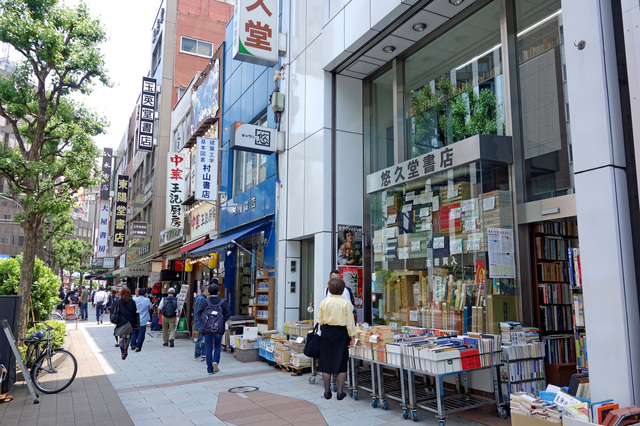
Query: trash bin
{"x": 10, "y": 311}
{"x": 182, "y": 324}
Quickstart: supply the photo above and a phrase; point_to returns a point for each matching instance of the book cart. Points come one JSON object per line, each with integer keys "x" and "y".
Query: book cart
{"x": 418, "y": 382}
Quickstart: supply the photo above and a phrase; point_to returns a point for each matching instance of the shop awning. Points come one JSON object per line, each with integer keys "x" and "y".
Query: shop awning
{"x": 221, "y": 242}
{"x": 197, "y": 243}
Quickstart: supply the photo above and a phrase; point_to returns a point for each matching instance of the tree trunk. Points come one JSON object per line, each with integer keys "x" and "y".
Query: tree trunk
{"x": 32, "y": 237}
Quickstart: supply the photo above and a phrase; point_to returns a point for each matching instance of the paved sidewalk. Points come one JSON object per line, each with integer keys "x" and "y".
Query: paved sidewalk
{"x": 161, "y": 385}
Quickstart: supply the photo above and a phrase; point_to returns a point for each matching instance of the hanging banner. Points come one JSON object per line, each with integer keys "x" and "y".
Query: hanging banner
{"x": 177, "y": 165}
{"x": 255, "y": 31}
{"x": 120, "y": 219}
{"x": 103, "y": 229}
{"x": 206, "y": 170}
{"x": 147, "y": 114}
{"x": 105, "y": 186}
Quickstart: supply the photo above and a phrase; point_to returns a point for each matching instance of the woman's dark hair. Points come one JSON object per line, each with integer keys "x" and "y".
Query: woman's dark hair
{"x": 346, "y": 232}
{"x": 336, "y": 286}
{"x": 213, "y": 290}
{"x": 125, "y": 294}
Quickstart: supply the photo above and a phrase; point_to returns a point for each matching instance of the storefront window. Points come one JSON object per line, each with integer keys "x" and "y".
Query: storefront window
{"x": 382, "y": 128}
{"x": 544, "y": 105}
{"x": 454, "y": 85}
{"x": 443, "y": 252}
{"x": 249, "y": 168}
{"x": 246, "y": 266}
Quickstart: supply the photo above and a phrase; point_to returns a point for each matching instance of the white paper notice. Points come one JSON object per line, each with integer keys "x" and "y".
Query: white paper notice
{"x": 455, "y": 246}
{"x": 377, "y": 248}
{"x": 415, "y": 245}
{"x": 413, "y": 316}
{"x": 391, "y": 219}
{"x": 407, "y": 208}
{"x": 455, "y": 213}
{"x": 373, "y": 338}
{"x": 452, "y": 191}
{"x": 438, "y": 243}
{"x": 425, "y": 212}
{"x": 403, "y": 252}
{"x": 469, "y": 225}
{"x": 410, "y": 196}
{"x": 489, "y": 203}
{"x": 425, "y": 226}
{"x": 501, "y": 255}
{"x": 435, "y": 206}
{"x": 391, "y": 232}
{"x": 300, "y": 340}
{"x": 473, "y": 245}
{"x": 469, "y": 205}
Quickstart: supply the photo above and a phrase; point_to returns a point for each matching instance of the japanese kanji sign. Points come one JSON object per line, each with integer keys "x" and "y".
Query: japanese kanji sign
{"x": 177, "y": 166}
{"x": 103, "y": 229}
{"x": 105, "y": 186}
{"x": 252, "y": 138}
{"x": 206, "y": 171}
{"x": 147, "y": 114}
{"x": 203, "y": 220}
{"x": 255, "y": 31}
{"x": 476, "y": 148}
{"x": 120, "y": 217}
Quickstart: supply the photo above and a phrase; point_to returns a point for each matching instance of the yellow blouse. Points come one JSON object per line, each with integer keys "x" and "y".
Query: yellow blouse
{"x": 335, "y": 310}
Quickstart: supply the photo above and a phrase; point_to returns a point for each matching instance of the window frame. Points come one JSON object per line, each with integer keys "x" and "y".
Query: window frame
{"x": 198, "y": 42}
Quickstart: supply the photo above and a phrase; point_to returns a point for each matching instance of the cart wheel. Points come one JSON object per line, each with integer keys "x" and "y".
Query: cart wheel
{"x": 355, "y": 394}
{"x": 384, "y": 404}
{"x": 502, "y": 412}
{"x": 312, "y": 380}
{"x": 405, "y": 414}
{"x": 351, "y": 393}
{"x": 334, "y": 387}
{"x": 374, "y": 402}
{"x": 414, "y": 415}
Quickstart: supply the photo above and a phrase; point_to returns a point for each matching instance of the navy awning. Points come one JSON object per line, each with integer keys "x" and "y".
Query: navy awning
{"x": 222, "y": 242}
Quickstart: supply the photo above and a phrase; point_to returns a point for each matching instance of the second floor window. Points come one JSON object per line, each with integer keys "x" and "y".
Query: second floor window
{"x": 196, "y": 47}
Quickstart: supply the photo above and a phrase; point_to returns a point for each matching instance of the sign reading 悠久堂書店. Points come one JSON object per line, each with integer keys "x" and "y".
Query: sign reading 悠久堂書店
{"x": 480, "y": 147}
{"x": 255, "y": 31}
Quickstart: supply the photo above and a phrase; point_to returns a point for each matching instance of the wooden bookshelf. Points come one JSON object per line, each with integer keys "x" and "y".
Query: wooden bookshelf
{"x": 262, "y": 305}
{"x": 553, "y": 296}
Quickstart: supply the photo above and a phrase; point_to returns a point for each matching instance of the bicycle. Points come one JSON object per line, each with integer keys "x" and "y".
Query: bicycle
{"x": 51, "y": 369}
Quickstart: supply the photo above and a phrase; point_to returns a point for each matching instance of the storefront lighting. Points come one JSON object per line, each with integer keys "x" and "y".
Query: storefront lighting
{"x": 419, "y": 27}
{"x": 456, "y": 2}
{"x": 389, "y": 49}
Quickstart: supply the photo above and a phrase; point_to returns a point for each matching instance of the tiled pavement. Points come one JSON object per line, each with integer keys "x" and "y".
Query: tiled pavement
{"x": 162, "y": 385}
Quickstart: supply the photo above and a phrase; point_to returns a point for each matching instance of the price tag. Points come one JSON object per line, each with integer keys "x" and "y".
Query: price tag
{"x": 373, "y": 338}
{"x": 454, "y": 213}
{"x": 489, "y": 203}
{"x": 413, "y": 316}
{"x": 300, "y": 340}
{"x": 415, "y": 245}
{"x": 391, "y": 219}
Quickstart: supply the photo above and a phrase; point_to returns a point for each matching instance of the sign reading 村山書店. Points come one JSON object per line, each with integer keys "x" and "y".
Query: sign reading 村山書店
{"x": 255, "y": 31}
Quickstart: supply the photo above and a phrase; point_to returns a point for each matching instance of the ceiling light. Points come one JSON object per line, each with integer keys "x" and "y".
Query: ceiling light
{"x": 456, "y": 2}
{"x": 389, "y": 49}
{"x": 420, "y": 26}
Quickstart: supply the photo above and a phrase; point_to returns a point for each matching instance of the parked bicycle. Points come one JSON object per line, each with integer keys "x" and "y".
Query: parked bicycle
{"x": 52, "y": 369}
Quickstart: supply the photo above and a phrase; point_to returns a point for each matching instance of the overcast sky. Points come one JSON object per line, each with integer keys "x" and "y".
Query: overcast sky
{"x": 127, "y": 55}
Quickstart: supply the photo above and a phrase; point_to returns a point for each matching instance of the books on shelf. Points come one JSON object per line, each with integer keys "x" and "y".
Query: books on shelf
{"x": 578, "y": 310}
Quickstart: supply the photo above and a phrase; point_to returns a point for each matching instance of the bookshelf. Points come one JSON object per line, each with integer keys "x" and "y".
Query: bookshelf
{"x": 523, "y": 368}
{"x": 262, "y": 305}
{"x": 245, "y": 289}
{"x": 554, "y": 293}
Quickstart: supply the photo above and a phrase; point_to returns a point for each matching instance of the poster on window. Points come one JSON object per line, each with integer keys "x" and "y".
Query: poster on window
{"x": 352, "y": 277}
{"x": 349, "y": 245}
{"x": 502, "y": 262}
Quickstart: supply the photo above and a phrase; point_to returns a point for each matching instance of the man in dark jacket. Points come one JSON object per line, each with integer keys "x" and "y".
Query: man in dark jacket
{"x": 213, "y": 342}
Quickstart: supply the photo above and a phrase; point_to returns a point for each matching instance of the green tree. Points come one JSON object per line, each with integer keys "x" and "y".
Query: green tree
{"x": 54, "y": 154}
{"x": 44, "y": 294}
{"x": 72, "y": 255}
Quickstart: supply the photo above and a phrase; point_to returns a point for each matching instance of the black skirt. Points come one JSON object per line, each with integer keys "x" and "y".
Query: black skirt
{"x": 334, "y": 350}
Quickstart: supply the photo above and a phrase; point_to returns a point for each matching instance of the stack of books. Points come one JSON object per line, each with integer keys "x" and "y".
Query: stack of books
{"x": 526, "y": 404}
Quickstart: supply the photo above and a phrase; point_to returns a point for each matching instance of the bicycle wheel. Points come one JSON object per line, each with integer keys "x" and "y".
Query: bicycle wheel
{"x": 54, "y": 373}
{"x": 56, "y": 316}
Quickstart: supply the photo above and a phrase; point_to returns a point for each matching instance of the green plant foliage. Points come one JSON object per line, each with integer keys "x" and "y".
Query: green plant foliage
{"x": 58, "y": 334}
{"x": 44, "y": 296}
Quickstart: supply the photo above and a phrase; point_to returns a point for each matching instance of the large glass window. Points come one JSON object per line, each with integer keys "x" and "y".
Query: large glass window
{"x": 454, "y": 85}
{"x": 441, "y": 254}
{"x": 382, "y": 117}
{"x": 544, "y": 105}
{"x": 249, "y": 168}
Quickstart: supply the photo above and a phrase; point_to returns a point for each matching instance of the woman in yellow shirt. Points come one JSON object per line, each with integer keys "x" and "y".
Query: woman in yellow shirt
{"x": 338, "y": 334}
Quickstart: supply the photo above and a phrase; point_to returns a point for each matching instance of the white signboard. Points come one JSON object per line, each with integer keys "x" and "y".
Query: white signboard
{"x": 103, "y": 229}
{"x": 206, "y": 169}
{"x": 109, "y": 262}
{"x": 255, "y": 31}
{"x": 203, "y": 220}
{"x": 252, "y": 138}
{"x": 176, "y": 187}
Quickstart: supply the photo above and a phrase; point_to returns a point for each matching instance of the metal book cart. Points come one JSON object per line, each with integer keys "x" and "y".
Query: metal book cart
{"x": 419, "y": 382}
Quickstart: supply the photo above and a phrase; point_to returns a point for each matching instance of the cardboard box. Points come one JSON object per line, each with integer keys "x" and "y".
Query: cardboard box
{"x": 569, "y": 421}
{"x": 520, "y": 419}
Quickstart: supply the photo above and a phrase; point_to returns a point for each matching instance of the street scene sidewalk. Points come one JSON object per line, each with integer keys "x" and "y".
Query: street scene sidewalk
{"x": 162, "y": 385}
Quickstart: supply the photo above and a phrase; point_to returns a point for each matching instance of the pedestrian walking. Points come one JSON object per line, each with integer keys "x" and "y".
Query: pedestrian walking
{"x": 202, "y": 297}
{"x": 84, "y": 303}
{"x": 143, "y": 306}
{"x": 127, "y": 320}
{"x": 169, "y": 307}
{"x": 213, "y": 314}
{"x": 338, "y": 335}
{"x": 98, "y": 299}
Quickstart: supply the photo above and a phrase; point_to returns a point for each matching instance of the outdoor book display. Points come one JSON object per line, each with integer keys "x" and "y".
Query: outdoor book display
{"x": 397, "y": 367}
{"x": 261, "y": 305}
{"x": 522, "y": 367}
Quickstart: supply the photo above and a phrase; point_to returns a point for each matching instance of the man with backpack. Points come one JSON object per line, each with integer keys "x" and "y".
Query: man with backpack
{"x": 169, "y": 308}
{"x": 213, "y": 314}
{"x": 200, "y": 300}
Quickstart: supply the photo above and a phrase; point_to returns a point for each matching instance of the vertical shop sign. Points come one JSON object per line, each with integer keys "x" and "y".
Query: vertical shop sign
{"x": 105, "y": 186}
{"x": 103, "y": 229}
{"x": 207, "y": 169}
{"x": 176, "y": 185}
{"x": 255, "y": 31}
{"x": 147, "y": 114}
{"x": 122, "y": 195}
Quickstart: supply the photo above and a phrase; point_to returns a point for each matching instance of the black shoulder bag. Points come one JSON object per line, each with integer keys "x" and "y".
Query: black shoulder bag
{"x": 312, "y": 347}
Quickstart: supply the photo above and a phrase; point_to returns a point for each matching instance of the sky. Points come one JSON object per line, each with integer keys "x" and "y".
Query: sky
{"x": 127, "y": 58}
